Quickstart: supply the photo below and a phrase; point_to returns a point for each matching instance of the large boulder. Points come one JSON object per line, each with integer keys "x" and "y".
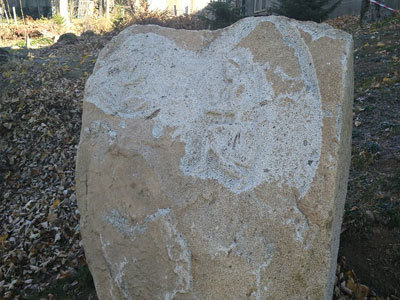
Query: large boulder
{"x": 214, "y": 165}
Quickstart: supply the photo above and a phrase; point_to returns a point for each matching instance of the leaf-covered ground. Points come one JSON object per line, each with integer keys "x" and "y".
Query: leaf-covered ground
{"x": 370, "y": 239}
{"x": 41, "y": 93}
{"x": 40, "y": 119}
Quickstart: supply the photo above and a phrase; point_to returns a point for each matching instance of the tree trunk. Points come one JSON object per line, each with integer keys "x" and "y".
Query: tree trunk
{"x": 5, "y": 12}
{"x": 15, "y": 16}
{"x": 9, "y": 9}
{"x": 22, "y": 11}
{"x": 85, "y": 8}
{"x": 38, "y": 9}
{"x": 63, "y": 10}
{"x": 101, "y": 8}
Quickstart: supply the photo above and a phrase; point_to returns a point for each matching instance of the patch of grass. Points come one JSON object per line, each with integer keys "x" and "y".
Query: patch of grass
{"x": 388, "y": 206}
{"x": 79, "y": 286}
{"x": 349, "y": 212}
{"x": 42, "y": 41}
{"x": 372, "y": 147}
{"x": 391, "y": 48}
{"x": 370, "y": 191}
{"x": 393, "y": 183}
{"x": 20, "y": 43}
{"x": 368, "y": 83}
{"x": 361, "y": 160}
{"x": 59, "y": 20}
{"x": 118, "y": 23}
{"x": 393, "y": 128}
{"x": 387, "y": 21}
{"x": 360, "y": 54}
{"x": 396, "y": 130}
{"x": 356, "y": 133}
{"x": 370, "y": 107}
{"x": 391, "y": 209}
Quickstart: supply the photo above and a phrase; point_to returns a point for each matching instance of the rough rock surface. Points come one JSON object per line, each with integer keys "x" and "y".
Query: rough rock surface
{"x": 213, "y": 165}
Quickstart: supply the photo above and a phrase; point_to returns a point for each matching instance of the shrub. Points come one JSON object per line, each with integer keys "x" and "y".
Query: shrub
{"x": 305, "y": 10}
{"x": 223, "y": 14}
{"x": 161, "y": 18}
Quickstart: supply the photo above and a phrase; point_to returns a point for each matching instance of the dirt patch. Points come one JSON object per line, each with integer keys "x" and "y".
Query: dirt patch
{"x": 370, "y": 242}
{"x": 375, "y": 257}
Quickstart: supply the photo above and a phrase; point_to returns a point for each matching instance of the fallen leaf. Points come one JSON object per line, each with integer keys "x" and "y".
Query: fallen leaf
{"x": 52, "y": 216}
{"x": 57, "y": 237}
{"x": 34, "y": 236}
{"x": 8, "y": 74}
{"x": 354, "y": 208}
{"x": 84, "y": 58}
{"x": 376, "y": 85}
{"x": 361, "y": 292}
{"x": 351, "y": 285}
{"x": 57, "y": 202}
{"x": 359, "y": 108}
{"x": 357, "y": 123}
{"x": 3, "y": 238}
{"x": 65, "y": 274}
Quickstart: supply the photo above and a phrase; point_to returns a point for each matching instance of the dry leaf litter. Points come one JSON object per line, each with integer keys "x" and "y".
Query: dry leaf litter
{"x": 40, "y": 119}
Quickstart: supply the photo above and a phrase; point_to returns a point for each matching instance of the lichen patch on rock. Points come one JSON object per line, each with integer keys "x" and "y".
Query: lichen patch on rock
{"x": 213, "y": 165}
{"x": 216, "y": 100}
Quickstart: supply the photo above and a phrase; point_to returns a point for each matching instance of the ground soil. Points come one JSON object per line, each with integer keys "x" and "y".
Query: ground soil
{"x": 370, "y": 239}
